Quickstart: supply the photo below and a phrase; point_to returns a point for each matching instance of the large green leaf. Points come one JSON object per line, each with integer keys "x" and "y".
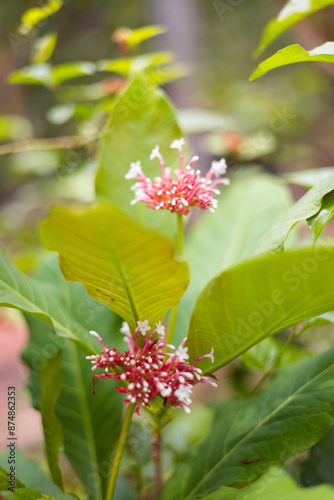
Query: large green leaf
{"x": 244, "y": 304}
{"x": 42, "y": 300}
{"x": 228, "y": 236}
{"x": 141, "y": 119}
{"x": 289, "y": 416}
{"x": 295, "y": 54}
{"x": 51, "y": 384}
{"x": 310, "y": 204}
{"x": 319, "y": 221}
{"x": 91, "y": 423}
{"x": 275, "y": 485}
{"x": 130, "y": 269}
{"x": 293, "y": 12}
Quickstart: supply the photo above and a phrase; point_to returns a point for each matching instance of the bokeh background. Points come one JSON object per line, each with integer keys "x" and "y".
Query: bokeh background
{"x": 281, "y": 123}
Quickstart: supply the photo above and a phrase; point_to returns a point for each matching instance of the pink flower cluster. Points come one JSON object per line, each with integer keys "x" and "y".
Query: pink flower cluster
{"x": 147, "y": 371}
{"x": 189, "y": 189}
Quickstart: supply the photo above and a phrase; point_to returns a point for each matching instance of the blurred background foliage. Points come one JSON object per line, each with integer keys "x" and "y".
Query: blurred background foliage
{"x": 63, "y": 65}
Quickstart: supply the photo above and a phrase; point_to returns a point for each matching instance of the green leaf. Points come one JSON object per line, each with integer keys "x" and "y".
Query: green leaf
{"x": 24, "y": 494}
{"x": 34, "y": 16}
{"x": 263, "y": 355}
{"x": 318, "y": 467}
{"x": 14, "y": 127}
{"x": 290, "y": 14}
{"x": 42, "y": 300}
{"x": 289, "y": 416}
{"x": 318, "y": 221}
{"x": 28, "y": 471}
{"x": 232, "y": 314}
{"x": 275, "y": 485}
{"x": 308, "y": 178}
{"x": 130, "y": 65}
{"x": 43, "y": 48}
{"x": 228, "y": 236}
{"x": 323, "y": 319}
{"x": 121, "y": 264}
{"x": 295, "y": 54}
{"x": 139, "y": 35}
{"x": 4, "y": 478}
{"x": 309, "y": 205}
{"x": 51, "y": 384}
{"x": 91, "y": 423}
{"x": 141, "y": 119}
{"x": 50, "y": 76}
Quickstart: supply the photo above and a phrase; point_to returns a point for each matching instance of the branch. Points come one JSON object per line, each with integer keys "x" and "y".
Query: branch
{"x": 70, "y": 142}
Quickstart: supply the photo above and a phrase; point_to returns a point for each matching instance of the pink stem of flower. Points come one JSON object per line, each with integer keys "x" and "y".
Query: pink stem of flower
{"x": 162, "y": 165}
{"x": 181, "y": 159}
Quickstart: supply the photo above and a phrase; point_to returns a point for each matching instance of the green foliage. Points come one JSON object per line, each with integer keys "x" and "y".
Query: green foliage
{"x": 139, "y": 35}
{"x": 295, "y": 54}
{"x": 318, "y": 221}
{"x": 318, "y": 467}
{"x": 43, "y": 48}
{"x": 220, "y": 240}
{"x": 308, "y": 178}
{"x": 34, "y": 16}
{"x": 232, "y": 315}
{"x": 306, "y": 207}
{"x": 130, "y": 269}
{"x": 14, "y": 127}
{"x": 43, "y": 300}
{"x": 290, "y": 14}
{"x": 51, "y": 384}
{"x": 4, "y": 480}
{"x": 127, "y": 66}
{"x": 289, "y": 416}
{"x": 141, "y": 119}
{"x": 91, "y": 423}
{"x": 51, "y": 76}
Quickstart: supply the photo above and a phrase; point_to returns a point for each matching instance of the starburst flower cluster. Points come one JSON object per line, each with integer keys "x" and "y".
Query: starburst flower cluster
{"x": 189, "y": 189}
{"x": 146, "y": 370}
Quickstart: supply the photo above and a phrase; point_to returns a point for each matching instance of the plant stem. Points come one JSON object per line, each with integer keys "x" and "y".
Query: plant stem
{"x": 70, "y": 142}
{"x": 156, "y": 455}
{"x": 173, "y": 315}
{"x": 179, "y": 234}
{"x": 119, "y": 451}
{"x": 276, "y": 363}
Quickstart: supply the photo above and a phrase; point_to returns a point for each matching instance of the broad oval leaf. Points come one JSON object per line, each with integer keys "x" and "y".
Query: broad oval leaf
{"x": 289, "y": 416}
{"x": 141, "y": 119}
{"x": 307, "y": 206}
{"x": 292, "y": 12}
{"x": 295, "y": 54}
{"x": 121, "y": 264}
{"x": 232, "y": 314}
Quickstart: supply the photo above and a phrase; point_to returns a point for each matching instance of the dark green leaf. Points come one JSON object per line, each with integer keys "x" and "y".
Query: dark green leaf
{"x": 231, "y": 314}
{"x": 288, "y": 417}
{"x": 318, "y": 467}
{"x": 295, "y": 54}
{"x": 5, "y": 479}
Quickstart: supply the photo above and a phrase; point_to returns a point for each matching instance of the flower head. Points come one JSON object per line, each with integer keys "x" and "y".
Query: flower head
{"x": 188, "y": 189}
{"x": 147, "y": 371}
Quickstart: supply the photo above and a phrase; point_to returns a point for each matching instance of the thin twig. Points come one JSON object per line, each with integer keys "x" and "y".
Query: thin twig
{"x": 69, "y": 142}
{"x": 156, "y": 455}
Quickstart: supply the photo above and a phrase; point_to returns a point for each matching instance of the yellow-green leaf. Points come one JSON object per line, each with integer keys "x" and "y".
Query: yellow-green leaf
{"x": 121, "y": 264}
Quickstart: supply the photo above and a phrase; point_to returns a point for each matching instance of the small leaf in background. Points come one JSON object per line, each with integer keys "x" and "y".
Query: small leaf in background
{"x": 42, "y": 300}
{"x": 34, "y": 16}
{"x": 14, "y": 127}
{"x": 121, "y": 264}
{"x": 295, "y": 54}
{"x": 289, "y": 416}
{"x": 319, "y": 465}
{"x": 318, "y": 221}
{"x": 141, "y": 119}
{"x": 323, "y": 319}
{"x": 51, "y": 76}
{"x": 292, "y": 12}
{"x": 51, "y": 384}
{"x": 308, "y": 178}
{"x": 228, "y": 236}
{"x": 232, "y": 315}
{"x": 307, "y": 206}
{"x": 67, "y": 71}
{"x": 43, "y": 48}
